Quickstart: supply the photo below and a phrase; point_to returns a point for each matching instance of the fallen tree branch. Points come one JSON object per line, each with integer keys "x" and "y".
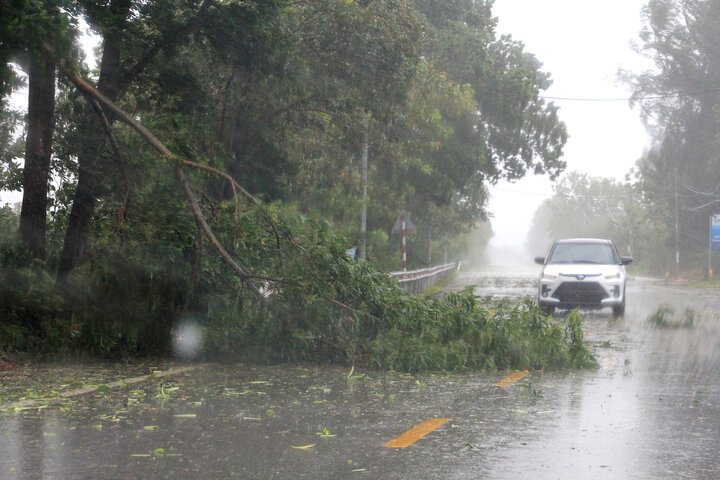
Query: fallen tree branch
{"x": 124, "y": 117}
{"x": 85, "y": 87}
{"x": 116, "y": 150}
{"x": 244, "y": 276}
{"x": 236, "y": 186}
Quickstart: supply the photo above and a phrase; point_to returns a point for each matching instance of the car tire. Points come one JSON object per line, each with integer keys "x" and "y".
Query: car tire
{"x": 619, "y": 310}
{"x": 547, "y": 309}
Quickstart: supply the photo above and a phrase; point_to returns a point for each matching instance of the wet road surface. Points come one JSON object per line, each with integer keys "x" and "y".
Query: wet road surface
{"x": 651, "y": 410}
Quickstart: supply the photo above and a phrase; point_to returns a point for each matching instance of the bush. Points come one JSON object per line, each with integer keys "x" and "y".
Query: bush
{"x": 30, "y": 307}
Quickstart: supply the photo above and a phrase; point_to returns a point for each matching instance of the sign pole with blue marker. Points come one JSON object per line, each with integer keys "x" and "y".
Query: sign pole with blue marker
{"x": 714, "y": 241}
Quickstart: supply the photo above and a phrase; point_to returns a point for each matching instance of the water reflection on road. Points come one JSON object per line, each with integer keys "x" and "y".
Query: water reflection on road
{"x": 651, "y": 410}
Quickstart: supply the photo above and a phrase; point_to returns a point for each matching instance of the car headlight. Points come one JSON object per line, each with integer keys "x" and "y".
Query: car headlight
{"x": 611, "y": 276}
{"x": 549, "y": 277}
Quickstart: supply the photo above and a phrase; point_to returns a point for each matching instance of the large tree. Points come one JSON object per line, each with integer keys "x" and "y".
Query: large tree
{"x": 133, "y": 35}
{"x": 26, "y": 29}
{"x": 522, "y": 133}
{"x": 679, "y": 100}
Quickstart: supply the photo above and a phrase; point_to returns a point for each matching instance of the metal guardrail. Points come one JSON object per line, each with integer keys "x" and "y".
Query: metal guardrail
{"x": 416, "y": 281}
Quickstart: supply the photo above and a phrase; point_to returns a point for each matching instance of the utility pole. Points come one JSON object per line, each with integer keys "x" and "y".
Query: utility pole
{"x": 363, "y": 218}
{"x": 429, "y": 246}
{"x": 677, "y": 230}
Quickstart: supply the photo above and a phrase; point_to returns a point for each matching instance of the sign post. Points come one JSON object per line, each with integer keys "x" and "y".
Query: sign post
{"x": 714, "y": 243}
{"x": 403, "y": 226}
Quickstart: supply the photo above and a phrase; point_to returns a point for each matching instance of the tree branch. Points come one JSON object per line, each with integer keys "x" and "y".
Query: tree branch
{"x": 85, "y": 87}
{"x": 245, "y": 277}
{"x": 116, "y": 150}
{"x": 152, "y": 52}
{"x": 236, "y": 186}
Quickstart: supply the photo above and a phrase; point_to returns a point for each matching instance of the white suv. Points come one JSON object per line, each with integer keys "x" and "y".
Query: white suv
{"x": 582, "y": 272}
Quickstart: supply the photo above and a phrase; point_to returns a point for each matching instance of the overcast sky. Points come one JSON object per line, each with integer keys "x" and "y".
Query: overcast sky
{"x": 582, "y": 45}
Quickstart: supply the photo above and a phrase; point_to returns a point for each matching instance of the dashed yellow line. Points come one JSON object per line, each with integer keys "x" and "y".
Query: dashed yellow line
{"x": 416, "y": 433}
{"x": 511, "y": 379}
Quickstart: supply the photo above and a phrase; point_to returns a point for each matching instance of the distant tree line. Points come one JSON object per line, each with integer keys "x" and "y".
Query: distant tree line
{"x": 662, "y": 210}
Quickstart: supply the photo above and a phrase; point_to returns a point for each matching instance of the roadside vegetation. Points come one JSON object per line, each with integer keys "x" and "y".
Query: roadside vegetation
{"x": 208, "y": 171}
{"x": 665, "y": 317}
{"x": 324, "y": 308}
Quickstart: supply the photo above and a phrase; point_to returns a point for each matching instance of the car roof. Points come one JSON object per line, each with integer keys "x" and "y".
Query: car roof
{"x": 584, "y": 240}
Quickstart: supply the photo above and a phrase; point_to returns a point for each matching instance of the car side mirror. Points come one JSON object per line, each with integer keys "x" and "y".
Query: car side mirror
{"x": 626, "y": 260}
{"x": 541, "y": 260}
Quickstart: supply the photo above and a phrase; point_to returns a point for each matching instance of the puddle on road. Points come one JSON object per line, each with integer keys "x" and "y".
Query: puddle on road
{"x": 650, "y": 410}
{"x": 498, "y": 282}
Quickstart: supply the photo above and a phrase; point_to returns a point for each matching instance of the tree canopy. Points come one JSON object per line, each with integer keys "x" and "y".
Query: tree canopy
{"x": 677, "y": 179}
{"x": 258, "y": 110}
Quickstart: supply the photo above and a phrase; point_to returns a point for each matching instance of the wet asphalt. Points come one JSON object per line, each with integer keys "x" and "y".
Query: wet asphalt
{"x": 650, "y": 410}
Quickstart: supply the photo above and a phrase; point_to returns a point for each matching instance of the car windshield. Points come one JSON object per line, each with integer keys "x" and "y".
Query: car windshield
{"x": 600, "y": 253}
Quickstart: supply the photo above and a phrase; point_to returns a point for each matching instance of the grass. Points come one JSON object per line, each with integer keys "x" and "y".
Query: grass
{"x": 666, "y": 318}
{"x": 439, "y": 287}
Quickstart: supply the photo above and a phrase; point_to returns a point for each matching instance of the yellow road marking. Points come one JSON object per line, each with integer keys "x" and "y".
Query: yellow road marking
{"x": 416, "y": 433}
{"x": 510, "y": 379}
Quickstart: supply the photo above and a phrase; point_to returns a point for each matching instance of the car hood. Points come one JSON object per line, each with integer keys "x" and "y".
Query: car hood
{"x": 581, "y": 269}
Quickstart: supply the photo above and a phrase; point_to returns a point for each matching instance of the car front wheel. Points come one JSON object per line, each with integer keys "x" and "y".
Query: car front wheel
{"x": 619, "y": 310}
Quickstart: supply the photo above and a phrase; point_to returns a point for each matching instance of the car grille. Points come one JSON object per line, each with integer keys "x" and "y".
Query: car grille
{"x": 579, "y": 293}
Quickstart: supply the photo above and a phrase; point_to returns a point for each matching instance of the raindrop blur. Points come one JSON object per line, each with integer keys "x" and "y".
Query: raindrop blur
{"x": 188, "y": 339}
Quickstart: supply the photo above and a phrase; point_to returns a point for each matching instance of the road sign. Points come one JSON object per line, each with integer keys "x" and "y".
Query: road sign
{"x": 715, "y": 232}
{"x": 409, "y": 226}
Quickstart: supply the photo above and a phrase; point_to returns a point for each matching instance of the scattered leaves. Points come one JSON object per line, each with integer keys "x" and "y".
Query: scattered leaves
{"x": 304, "y": 447}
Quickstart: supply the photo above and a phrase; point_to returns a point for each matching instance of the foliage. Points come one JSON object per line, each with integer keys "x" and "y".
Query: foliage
{"x": 585, "y": 206}
{"x": 665, "y": 317}
{"x": 463, "y": 331}
{"x": 11, "y": 150}
{"x": 518, "y": 132}
{"x": 677, "y": 178}
{"x": 29, "y": 306}
{"x": 280, "y": 97}
{"x": 383, "y": 326}
{"x": 325, "y": 307}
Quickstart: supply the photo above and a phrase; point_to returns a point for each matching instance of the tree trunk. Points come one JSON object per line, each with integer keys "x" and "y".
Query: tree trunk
{"x": 89, "y": 184}
{"x": 114, "y": 77}
{"x": 38, "y": 151}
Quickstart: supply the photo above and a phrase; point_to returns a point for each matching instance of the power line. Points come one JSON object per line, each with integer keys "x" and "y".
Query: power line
{"x": 654, "y": 97}
{"x": 511, "y": 190}
{"x": 573, "y": 99}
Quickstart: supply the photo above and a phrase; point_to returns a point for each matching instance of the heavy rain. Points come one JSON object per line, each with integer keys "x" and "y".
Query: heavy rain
{"x": 359, "y": 239}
